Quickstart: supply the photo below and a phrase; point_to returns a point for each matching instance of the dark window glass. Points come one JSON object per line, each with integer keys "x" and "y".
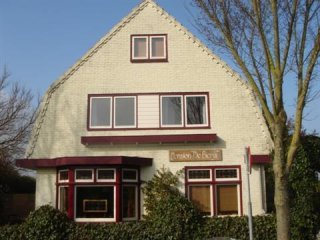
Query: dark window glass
{"x": 125, "y": 111}
{"x": 199, "y": 174}
{"x": 84, "y": 174}
{"x": 171, "y": 111}
{"x": 129, "y": 201}
{"x": 129, "y": 175}
{"x": 226, "y": 173}
{"x": 95, "y": 202}
{"x": 63, "y": 175}
{"x": 196, "y": 110}
{"x": 100, "y": 112}
{"x": 105, "y": 174}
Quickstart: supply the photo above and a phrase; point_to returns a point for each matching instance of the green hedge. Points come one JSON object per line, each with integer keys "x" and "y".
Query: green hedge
{"x": 264, "y": 227}
{"x": 48, "y": 223}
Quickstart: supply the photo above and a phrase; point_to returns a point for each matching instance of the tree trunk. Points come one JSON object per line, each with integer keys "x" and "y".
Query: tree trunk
{"x": 281, "y": 198}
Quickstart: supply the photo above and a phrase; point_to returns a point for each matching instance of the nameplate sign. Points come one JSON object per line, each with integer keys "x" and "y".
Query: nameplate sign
{"x": 195, "y": 155}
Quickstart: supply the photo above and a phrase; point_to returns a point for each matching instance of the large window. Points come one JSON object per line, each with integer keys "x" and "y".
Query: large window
{"x": 171, "y": 111}
{"x": 132, "y": 111}
{"x": 214, "y": 190}
{"x": 149, "y": 48}
{"x": 90, "y": 195}
{"x": 101, "y": 112}
{"x": 184, "y": 110}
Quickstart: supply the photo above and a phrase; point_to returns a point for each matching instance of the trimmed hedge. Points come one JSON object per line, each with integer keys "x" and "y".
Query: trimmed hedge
{"x": 264, "y": 227}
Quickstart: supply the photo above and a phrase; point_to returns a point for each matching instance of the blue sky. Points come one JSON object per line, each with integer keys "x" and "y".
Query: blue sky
{"x": 41, "y": 39}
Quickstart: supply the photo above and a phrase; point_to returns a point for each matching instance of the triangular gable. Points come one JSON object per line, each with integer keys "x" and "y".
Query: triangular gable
{"x": 114, "y": 31}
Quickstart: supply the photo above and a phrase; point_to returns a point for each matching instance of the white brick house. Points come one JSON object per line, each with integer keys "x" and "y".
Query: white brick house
{"x": 147, "y": 95}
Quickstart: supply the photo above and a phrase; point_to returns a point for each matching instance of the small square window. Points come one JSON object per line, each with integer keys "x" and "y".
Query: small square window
{"x": 226, "y": 174}
{"x": 129, "y": 175}
{"x": 199, "y": 174}
{"x": 105, "y": 175}
{"x": 149, "y": 48}
{"x": 63, "y": 176}
{"x": 84, "y": 175}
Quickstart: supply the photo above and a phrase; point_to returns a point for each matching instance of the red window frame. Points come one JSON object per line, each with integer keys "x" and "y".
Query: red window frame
{"x": 117, "y": 183}
{"x": 214, "y": 183}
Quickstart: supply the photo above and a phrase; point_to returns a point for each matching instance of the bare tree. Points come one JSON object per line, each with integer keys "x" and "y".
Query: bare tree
{"x": 272, "y": 43}
{"x": 16, "y": 118}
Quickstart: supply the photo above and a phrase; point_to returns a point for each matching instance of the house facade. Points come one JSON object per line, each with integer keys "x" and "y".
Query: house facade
{"x": 148, "y": 95}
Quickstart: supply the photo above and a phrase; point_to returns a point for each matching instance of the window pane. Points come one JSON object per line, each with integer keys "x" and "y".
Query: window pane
{"x": 199, "y": 174}
{"x": 196, "y": 110}
{"x": 140, "y": 47}
{"x": 227, "y": 199}
{"x": 100, "y": 112}
{"x": 171, "y": 111}
{"x": 125, "y": 111}
{"x": 129, "y": 175}
{"x": 95, "y": 202}
{"x": 157, "y": 47}
{"x": 84, "y": 174}
{"x": 129, "y": 204}
{"x": 63, "y": 199}
{"x": 226, "y": 173}
{"x": 63, "y": 175}
{"x": 200, "y": 196}
{"x": 105, "y": 174}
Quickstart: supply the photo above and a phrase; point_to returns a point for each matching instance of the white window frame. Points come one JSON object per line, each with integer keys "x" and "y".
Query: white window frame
{"x": 238, "y": 198}
{"x": 95, "y": 219}
{"x": 106, "y": 180}
{"x": 59, "y": 195}
{"x": 110, "y": 115}
{"x": 182, "y": 109}
{"x": 211, "y": 195}
{"x": 199, "y": 179}
{"x": 84, "y": 180}
{"x": 63, "y": 181}
{"x": 130, "y": 180}
{"x": 136, "y": 202}
{"x": 186, "y": 109}
{"x": 226, "y": 179}
{"x": 135, "y": 112}
{"x": 147, "y": 48}
{"x": 164, "y": 46}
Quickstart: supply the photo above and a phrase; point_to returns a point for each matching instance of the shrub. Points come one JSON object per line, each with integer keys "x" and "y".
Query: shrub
{"x": 47, "y": 223}
{"x": 169, "y": 214}
{"x": 12, "y": 232}
{"x": 304, "y": 219}
{"x": 264, "y": 227}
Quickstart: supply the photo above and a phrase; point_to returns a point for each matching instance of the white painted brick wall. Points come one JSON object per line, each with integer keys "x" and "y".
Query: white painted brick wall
{"x": 233, "y": 114}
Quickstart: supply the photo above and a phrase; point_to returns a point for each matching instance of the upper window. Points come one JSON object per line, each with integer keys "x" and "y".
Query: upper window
{"x": 196, "y": 110}
{"x": 184, "y": 110}
{"x": 150, "y": 48}
{"x": 171, "y": 111}
{"x": 112, "y": 112}
{"x": 100, "y": 112}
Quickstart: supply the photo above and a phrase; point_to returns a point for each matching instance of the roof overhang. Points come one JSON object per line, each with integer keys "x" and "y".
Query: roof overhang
{"x": 82, "y": 161}
{"x": 149, "y": 139}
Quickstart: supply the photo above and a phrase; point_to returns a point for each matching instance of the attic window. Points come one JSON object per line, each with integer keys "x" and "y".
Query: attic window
{"x": 149, "y": 48}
